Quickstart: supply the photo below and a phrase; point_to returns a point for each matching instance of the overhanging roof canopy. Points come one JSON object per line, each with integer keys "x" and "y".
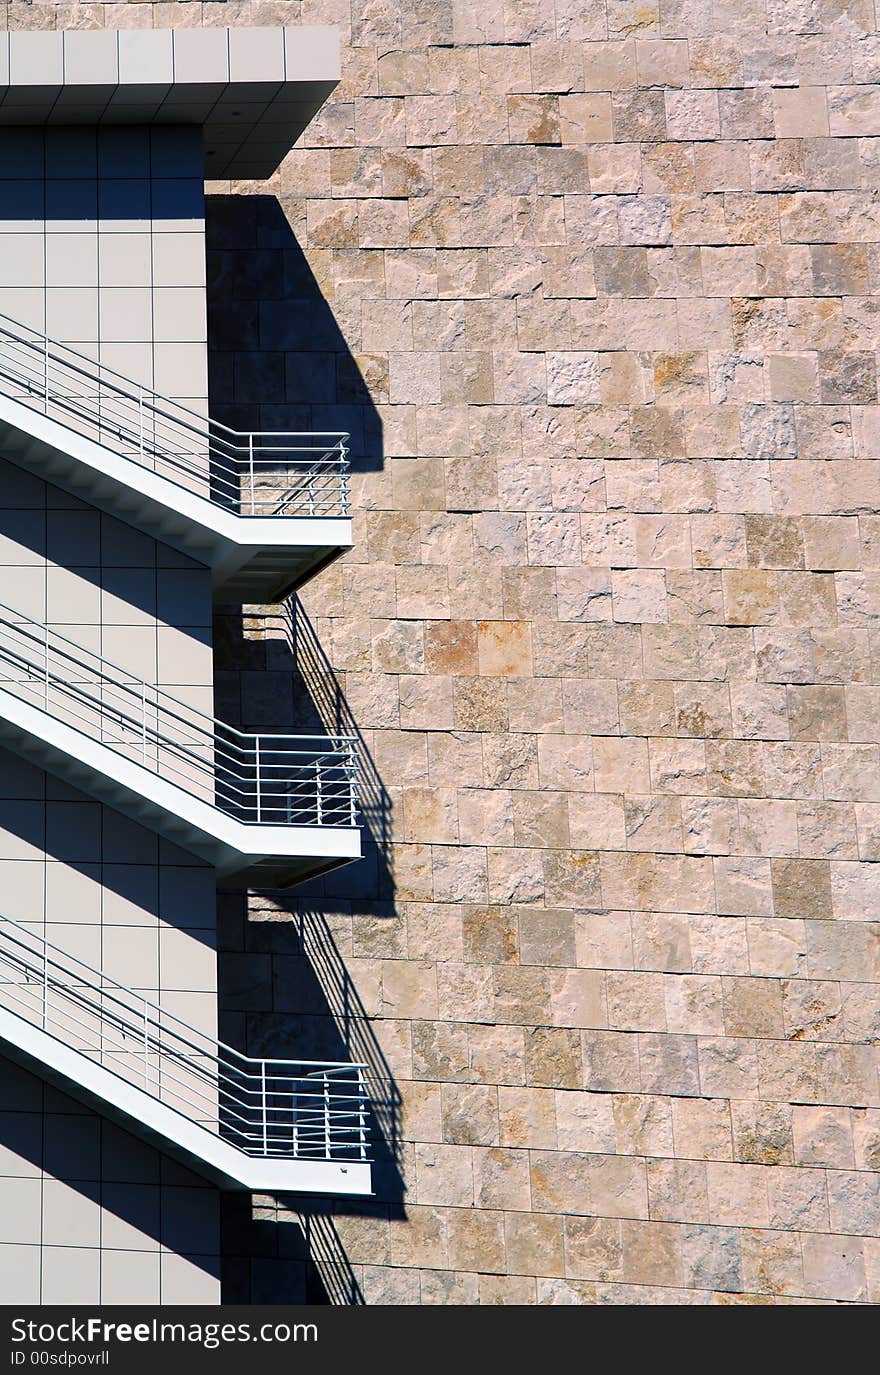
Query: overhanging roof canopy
{"x": 252, "y": 90}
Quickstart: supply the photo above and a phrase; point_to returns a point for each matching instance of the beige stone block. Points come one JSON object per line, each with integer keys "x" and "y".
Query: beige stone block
{"x": 430, "y": 815}
{"x": 728, "y": 1067}
{"x": 577, "y": 997}
{"x": 470, "y": 1114}
{"x": 459, "y": 873}
{"x": 480, "y": 704}
{"x": 422, "y": 593}
{"x": 618, "y": 1186}
{"x": 546, "y": 937}
{"x": 752, "y": 1007}
{"x": 515, "y": 875}
{"x": 585, "y": 1122}
{"x": 553, "y": 1057}
{"x": 501, "y": 1179}
{"x": 651, "y": 1253}
{"x": 772, "y": 1262}
{"x": 496, "y": 1054}
{"x": 677, "y": 1191}
{"x": 635, "y": 1001}
{"x": 643, "y": 1125}
{"x": 593, "y": 1248}
{"x": 664, "y": 883}
{"x": 520, "y": 995}
{"x": 801, "y": 888}
{"x": 504, "y": 648}
{"x": 834, "y": 1267}
{"x": 621, "y": 765}
{"x": 476, "y": 1240}
{"x": 762, "y": 1133}
{"x": 596, "y": 821}
{"x": 514, "y": 1291}
{"x": 485, "y": 817}
{"x": 585, "y": 118}
{"x": 702, "y": 1128}
{"x": 527, "y": 1117}
{"x": 738, "y": 1194}
{"x": 454, "y": 759}
{"x": 535, "y": 1244}
{"x": 444, "y": 1175}
{"x": 419, "y": 1238}
{"x": 540, "y": 819}
{"x": 465, "y": 991}
{"x": 571, "y": 878}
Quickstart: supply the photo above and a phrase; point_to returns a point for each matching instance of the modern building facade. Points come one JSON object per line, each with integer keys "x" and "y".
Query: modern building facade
{"x": 590, "y": 289}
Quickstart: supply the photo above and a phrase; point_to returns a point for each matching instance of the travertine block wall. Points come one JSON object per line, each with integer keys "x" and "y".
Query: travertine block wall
{"x": 607, "y": 272}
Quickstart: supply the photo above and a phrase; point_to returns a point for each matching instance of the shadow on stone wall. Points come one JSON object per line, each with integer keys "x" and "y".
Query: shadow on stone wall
{"x": 278, "y": 360}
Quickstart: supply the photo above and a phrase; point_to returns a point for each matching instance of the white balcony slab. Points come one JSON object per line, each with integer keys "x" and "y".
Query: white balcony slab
{"x": 245, "y": 855}
{"x": 252, "y": 558}
{"x": 145, "y": 1115}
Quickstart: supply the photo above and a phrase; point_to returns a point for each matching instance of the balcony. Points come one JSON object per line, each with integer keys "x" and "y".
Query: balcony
{"x": 258, "y": 1125}
{"x": 267, "y": 810}
{"x": 263, "y": 510}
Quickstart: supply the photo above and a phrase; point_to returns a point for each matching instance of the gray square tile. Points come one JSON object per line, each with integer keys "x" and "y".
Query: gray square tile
{"x": 130, "y": 1277}
{"x": 20, "y": 1274}
{"x": 91, "y": 57}
{"x": 71, "y": 1274}
{"x": 20, "y": 1209}
{"x": 146, "y": 57}
{"x": 36, "y": 58}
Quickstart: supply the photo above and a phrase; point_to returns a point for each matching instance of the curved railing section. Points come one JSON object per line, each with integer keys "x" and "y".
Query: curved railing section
{"x": 287, "y": 1109}
{"x": 268, "y": 473}
{"x": 259, "y": 779}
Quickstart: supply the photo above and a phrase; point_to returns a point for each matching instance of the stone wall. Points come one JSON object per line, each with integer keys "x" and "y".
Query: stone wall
{"x": 593, "y": 287}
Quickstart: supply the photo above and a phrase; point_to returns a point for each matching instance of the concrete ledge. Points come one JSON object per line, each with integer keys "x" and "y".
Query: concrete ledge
{"x": 252, "y": 90}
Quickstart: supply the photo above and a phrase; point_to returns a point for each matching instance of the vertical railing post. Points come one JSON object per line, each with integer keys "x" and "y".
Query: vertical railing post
{"x": 46, "y": 667}
{"x": 146, "y": 1046}
{"x": 144, "y": 722}
{"x": 46, "y": 374}
{"x": 362, "y": 1113}
{"x": 253, "y": 490}
{"x": 293, "y": 1118}
{"x": 257, "y": 775}
{"x": 327, "y": 1116}
{"x": 265, "y": 1111}
{"x": 319, "y": 799}
{"x": 351, "y": 770}
{"x": 141, "y": 420}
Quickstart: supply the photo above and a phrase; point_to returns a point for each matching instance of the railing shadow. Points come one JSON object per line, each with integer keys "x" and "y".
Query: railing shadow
{"x": 278, "y": 360}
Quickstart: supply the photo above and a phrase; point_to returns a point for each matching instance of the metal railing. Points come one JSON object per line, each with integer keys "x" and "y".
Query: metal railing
{"x": 264, "y": 779}
{"x": 296, "y": 1109}
{"x": 267, "y": 473}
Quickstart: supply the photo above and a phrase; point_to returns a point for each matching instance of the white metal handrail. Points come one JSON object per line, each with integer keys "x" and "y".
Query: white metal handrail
{"x": 277, "y": 473}
{"x": 297, "y": 1109}
{"x": 260, "y": 779}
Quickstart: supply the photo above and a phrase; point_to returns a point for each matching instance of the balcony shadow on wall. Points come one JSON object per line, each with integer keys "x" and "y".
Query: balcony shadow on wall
{"x": 292, "y": 994}
{"x": 285, "y": 988}
{"x": 277, "y": 359}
